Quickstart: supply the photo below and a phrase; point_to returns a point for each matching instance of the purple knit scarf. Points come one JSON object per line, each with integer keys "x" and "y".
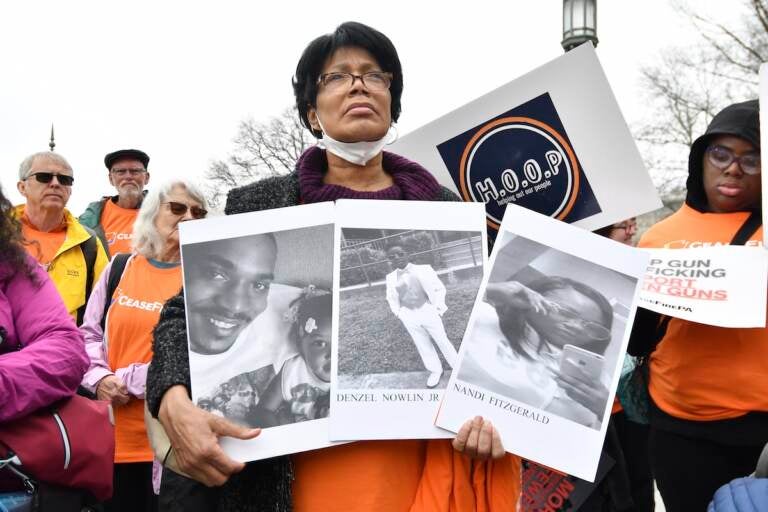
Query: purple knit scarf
{"x": 412, "y": 181}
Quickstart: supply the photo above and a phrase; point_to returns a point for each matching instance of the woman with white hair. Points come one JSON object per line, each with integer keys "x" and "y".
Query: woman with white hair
{"x": 121, "y": 314}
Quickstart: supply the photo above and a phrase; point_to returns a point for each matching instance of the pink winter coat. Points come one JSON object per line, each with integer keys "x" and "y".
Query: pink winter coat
{"x": 42, "y": 353}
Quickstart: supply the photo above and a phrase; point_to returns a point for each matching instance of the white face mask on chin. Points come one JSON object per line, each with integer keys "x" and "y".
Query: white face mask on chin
{"x": 358, "y": 153}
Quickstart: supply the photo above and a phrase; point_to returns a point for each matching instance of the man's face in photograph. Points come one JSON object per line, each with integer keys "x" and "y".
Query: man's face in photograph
{"x": 227, "y": 284}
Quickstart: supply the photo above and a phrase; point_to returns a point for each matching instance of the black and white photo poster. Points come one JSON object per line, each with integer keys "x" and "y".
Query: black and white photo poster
{"x": 407, "y": 278}
{"x": 259, "y": 306}
{"x": 546, "y": 339}
{"x": 544, "y": 141}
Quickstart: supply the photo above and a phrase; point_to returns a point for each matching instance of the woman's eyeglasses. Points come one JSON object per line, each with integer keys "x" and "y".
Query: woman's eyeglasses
{"x": 722, "y": 158}
{"x": 373, "y": 80}
{"x": 46, "y": 177}
{"x": 181, "y": 209}
{"x": 592, "y": 330}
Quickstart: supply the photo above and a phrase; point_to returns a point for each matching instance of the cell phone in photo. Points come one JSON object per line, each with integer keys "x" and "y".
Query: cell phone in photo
{"x": 576, "y": 358}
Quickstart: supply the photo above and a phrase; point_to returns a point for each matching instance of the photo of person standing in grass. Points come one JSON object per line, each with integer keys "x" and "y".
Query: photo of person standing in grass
{"x": 405, "y": 298}
{"x": 417, "y": 298}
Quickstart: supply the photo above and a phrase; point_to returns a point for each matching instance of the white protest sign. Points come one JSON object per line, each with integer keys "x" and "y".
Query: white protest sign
{"x": 406, "y": 277}
{"x": 722, "y": 285}
{"x": 543, "y": 350}
{"x": 553, "y": 141}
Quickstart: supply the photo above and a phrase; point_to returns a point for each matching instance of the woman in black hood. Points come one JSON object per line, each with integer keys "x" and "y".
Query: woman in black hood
{"x": 708, "y": 385}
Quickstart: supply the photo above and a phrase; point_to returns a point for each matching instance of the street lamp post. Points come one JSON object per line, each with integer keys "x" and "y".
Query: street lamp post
{"x": 579, "y": 23}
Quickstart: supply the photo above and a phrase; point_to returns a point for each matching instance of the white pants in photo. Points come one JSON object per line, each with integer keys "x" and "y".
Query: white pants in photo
{"x": 424, "y": 325}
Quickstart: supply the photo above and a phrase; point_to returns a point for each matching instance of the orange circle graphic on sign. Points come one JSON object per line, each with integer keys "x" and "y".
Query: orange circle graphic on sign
{"x": 535, "y": 122}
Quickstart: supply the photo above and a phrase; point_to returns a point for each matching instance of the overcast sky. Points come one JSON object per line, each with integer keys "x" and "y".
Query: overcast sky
{"x": 174, "y": 78}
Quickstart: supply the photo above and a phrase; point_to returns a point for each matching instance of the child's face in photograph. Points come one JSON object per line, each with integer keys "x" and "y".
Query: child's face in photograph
{"x": 398, "y": 257}
{"x": 316, "y": 350}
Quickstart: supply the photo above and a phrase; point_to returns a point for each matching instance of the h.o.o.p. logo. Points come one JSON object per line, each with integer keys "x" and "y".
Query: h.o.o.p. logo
{"x": 523, "y": 161}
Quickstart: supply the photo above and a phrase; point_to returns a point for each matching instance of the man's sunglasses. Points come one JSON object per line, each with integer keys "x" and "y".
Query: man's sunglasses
{"x": 181, "y": 209}
{"x": 47, "y": 177}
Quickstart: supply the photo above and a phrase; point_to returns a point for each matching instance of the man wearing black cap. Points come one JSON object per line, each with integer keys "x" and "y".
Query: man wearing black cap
{"x": 112, "y": 217}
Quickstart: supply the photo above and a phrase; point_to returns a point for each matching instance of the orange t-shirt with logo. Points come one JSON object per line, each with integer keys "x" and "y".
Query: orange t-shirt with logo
{"x": 42, "y": 245}
{"x": 702, "y": 372}
{"x": 135, "y": 310}
{"x": 117, "y": 223}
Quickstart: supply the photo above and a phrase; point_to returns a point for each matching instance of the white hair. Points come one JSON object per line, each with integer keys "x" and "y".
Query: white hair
{"x": 146, "y": 239}
{"x": 26, "y": 164}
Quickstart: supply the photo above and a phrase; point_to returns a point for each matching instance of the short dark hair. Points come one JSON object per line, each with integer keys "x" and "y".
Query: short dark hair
{"x": 349, "y": 34}
{"x": 392, "y": 245}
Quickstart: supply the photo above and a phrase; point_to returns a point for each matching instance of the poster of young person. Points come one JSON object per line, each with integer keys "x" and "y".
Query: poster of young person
{"x": 406, "y": 278}
{"x": 257, "y": 288}
{"x": 543, "y": 350}
{"x": 720, "y": 285}
{"x": 553, "y": 141}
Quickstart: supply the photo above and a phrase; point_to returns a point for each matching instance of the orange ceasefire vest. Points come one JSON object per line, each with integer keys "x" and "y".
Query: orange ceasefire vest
{"x": 135, "y": 310}
{"x": 117, "y": 223}
{"x": 701, "y": 372}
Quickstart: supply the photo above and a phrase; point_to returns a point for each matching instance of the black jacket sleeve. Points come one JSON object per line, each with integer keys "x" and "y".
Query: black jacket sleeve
{"x": 647, "y": 332}
{"x": 170, "y": 359}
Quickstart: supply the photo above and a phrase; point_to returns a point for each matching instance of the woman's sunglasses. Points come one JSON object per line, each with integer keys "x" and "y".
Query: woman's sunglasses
{"x": 47, "y": 177}
{"x": 181, "y": 209}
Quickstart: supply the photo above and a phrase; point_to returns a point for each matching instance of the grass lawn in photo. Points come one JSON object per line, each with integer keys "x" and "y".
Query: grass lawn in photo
{"x": 376, "y": 351}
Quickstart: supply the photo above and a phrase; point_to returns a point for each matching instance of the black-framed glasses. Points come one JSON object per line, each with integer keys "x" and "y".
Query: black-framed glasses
{"x": 373, "y": 80}
{"x": 722, "y": 158}
{"x": 181, "y": 209}
{"x": 628, "y": 226}
{"x": 46, "y": 177}
{"x": 123, "y": 172}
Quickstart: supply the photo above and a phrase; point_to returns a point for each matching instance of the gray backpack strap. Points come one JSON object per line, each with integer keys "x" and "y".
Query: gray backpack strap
{"x": 115, "y": 273}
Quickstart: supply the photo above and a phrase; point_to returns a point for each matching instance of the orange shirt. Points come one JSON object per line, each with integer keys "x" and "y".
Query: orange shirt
{"x": 135, "y": 310}
{"x": 403, "y": 476}
{"x": 701, "y": 372}
{"x": 117, "y": 223}
{"x": 42, "y": 245}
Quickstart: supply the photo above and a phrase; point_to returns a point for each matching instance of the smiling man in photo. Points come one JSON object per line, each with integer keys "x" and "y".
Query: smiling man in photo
{"x": 227, "y": 286}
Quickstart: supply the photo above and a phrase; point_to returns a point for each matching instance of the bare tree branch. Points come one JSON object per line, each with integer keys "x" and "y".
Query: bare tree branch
{"x": 261, "y": 150}
{"x": 689, "y": 85}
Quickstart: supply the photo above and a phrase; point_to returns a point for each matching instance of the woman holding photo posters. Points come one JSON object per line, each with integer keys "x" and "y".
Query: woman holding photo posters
{"x": 709, "y": 403}
{"x": 120, "y": 343}
{"x": 348, "y": 86}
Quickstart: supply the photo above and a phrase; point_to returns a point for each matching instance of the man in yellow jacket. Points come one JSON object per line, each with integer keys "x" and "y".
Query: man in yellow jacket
{"x": 71, "y": 253}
